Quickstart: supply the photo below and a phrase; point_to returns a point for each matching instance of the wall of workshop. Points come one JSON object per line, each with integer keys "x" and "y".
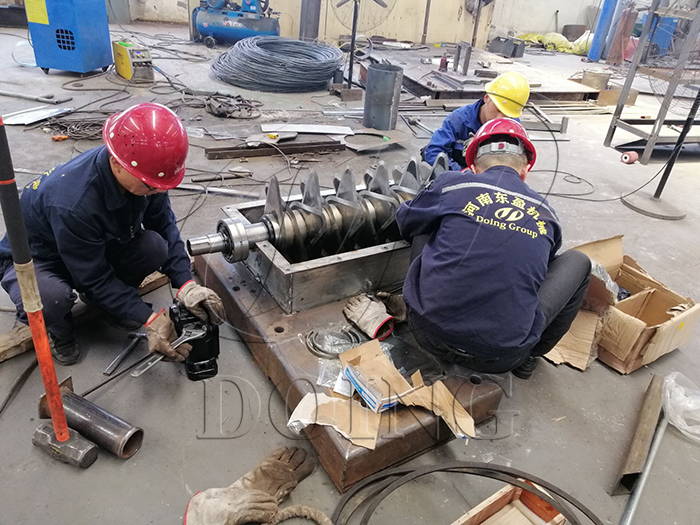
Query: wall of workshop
{"x": 537, "y": 16}
{"x": 449, "y": 19}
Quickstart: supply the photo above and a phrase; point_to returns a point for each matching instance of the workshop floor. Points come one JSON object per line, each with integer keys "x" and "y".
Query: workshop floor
{"x": 568, "y": 427}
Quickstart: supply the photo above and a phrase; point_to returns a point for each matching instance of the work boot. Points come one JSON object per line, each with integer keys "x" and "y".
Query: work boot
{"x": 526, "y": 370}
{"x": 65, "y": 352}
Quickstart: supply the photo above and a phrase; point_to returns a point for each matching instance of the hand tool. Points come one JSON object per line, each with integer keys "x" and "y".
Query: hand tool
{"x": 137, "y": 338}
{"x": 188, "y": 334}
{"x": 415, "y": 121}
{"x": 201, "y": 363}
{"x": 54, "y": 439}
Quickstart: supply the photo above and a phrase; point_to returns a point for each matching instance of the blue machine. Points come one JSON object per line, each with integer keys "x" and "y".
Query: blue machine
{"x": 224, "y": 21}
{"x": 662, "y": 31}
{"x": 71, "y": 35}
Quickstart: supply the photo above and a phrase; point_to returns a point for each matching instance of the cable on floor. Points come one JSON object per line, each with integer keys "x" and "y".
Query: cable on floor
{"x": 276, "y": 64}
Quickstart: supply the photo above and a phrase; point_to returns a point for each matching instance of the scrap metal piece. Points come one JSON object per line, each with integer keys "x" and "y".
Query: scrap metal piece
{"x": 641, "y": 441}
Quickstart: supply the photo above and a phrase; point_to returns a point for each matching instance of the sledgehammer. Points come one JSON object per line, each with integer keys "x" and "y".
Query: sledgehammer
{"x": 55, "y": 439}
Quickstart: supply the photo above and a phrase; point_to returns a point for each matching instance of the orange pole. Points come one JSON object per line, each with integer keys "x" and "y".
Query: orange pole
{"x": 26, "y": 277}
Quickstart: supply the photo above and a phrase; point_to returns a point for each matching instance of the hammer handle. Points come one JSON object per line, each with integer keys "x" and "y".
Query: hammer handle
{"x": 26, "y": 277}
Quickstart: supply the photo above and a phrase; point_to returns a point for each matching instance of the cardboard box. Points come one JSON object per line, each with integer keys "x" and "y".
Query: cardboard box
{"x": 650, "y": 323}
{"x": 382, "y": 386}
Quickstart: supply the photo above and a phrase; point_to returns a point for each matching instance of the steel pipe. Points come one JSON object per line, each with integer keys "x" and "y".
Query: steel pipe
{"x": 99, "y": 426}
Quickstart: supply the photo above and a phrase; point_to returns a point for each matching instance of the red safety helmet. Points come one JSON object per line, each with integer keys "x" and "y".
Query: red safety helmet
{"x": 149, "y": 141}
{"x": 500, "y": 126}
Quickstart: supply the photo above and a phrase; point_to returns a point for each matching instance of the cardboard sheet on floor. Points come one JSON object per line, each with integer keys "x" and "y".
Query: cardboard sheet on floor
{"x": 579, "y": 346}
{"x": 350, "y": 418}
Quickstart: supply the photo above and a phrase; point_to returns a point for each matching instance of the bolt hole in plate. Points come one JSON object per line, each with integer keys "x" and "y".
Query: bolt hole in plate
{"x": 279, "y": 329}
{"x": 475, "y": 379}
{"x": 236, "y": 288}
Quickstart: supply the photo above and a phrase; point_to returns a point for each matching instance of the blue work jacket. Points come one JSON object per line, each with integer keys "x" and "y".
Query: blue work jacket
{"x": 478, "y": 277}
{"x": 454, "y": 131}
{"x": 72, "y": 211}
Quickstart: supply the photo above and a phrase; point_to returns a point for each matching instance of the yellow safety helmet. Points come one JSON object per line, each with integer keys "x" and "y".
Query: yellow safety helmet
{"x": 509, "y": 92}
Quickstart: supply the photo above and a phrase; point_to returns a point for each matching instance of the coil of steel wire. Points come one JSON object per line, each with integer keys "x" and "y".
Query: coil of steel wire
{"x": 276, "y": 64}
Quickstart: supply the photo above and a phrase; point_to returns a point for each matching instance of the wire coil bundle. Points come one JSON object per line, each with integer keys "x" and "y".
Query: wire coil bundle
{"x": 280, "y": 65}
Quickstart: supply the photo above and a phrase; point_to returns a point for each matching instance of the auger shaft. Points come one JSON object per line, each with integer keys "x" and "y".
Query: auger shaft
{"x": 342, "y": 221}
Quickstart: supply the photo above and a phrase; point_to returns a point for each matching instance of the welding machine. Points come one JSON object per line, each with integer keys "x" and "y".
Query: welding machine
{"x": 224, "y": 21}
{"x": 71, "y": 35}
{"x": 132, "y": 61}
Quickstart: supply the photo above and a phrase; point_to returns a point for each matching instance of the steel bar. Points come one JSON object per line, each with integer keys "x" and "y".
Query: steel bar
{"x": 268, "y": 151}
{"x": 45, "y": 100}
{"x": 643, "y": 42}
{"x": 117, "y": 375}
{"x": 636, "y": 496}
{"x": 137, "y": 338}
{"x": 200, "y": 188}
{"x": 353, "y": 37}
{"x": 679, "y": 145}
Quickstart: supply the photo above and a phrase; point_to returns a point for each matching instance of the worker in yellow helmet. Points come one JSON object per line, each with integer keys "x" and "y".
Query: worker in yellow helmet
{"x": 505, "y": 96}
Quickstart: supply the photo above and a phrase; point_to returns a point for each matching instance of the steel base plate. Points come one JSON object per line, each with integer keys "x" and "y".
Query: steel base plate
{"x": 273, "y": 338}
{"x": 656, "y": 208}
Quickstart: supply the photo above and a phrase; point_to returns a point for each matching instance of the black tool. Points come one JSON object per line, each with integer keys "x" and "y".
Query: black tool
{"x": 201, "y": 363}
{"x": 137, "y": 338}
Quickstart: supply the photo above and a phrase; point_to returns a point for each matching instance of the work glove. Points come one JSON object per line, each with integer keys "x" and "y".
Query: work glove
{"x": 278, "y": 474}
{"x": 395, "y": 305}
{"x": 202, "y": 302}
{"x": 230, "y": 506}
{"x": 161, "y": 332}
{"x": 370, "y": 316}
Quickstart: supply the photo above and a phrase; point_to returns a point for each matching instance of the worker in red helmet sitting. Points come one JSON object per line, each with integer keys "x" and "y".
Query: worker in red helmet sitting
{"x": 486, "y": 288}
{"x": 101, "y": 223}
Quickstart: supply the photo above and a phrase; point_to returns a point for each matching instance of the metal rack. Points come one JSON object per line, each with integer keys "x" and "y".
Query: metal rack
{"x": 651, "y": 138}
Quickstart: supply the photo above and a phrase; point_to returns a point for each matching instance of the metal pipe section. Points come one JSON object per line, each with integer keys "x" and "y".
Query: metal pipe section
{"x": 382, "y": 96}
{"x": 99, "y": 426}
{"x": 601, "y": 29}
{"x": 636, "y": 496}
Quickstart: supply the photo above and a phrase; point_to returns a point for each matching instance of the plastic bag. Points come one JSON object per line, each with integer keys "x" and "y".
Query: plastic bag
{"x": 601, "y": 273}
{"x": 531, "y": 38}
{"x": 582, "y": 45}
{"x": 557, "y": 42}
{"x": 328, "y": 371}
{"x": 682, "y": 404}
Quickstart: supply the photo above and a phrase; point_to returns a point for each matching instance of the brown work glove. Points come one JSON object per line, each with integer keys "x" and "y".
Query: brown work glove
{"x": 278, "y": 474}
{"x": 370, "y": 316}
{"x": 202, "y": 302}
{"x": 161, "y": 332}
{"x": 395, "y": 305}
{"x": 230, "y": 506}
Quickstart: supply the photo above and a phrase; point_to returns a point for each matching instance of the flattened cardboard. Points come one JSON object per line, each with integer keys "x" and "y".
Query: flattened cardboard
{"x": 440, "y": 401}
{"x": 350, "y": 418}
{"x": 579, "y": 346}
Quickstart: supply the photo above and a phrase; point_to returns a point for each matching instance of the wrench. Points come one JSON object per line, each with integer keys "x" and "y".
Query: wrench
{"x": 188, "y": 334}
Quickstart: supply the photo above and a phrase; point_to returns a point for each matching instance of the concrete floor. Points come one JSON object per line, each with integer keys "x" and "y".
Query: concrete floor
{"x": 569, "y": 427}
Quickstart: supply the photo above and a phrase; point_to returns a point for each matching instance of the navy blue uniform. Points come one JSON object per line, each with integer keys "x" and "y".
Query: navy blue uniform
{"x": 455, "y": 130}
{"x": 89, "y": 234}
{"x": 475, "y": 285}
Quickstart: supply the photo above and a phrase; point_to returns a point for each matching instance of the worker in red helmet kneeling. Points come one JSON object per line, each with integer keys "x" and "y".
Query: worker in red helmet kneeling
{"x": 101, "y": 223}
{"x": 486, "y": 288}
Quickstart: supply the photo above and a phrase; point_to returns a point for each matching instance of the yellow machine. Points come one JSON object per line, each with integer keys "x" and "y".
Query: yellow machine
{"x": 132, "y": 61}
